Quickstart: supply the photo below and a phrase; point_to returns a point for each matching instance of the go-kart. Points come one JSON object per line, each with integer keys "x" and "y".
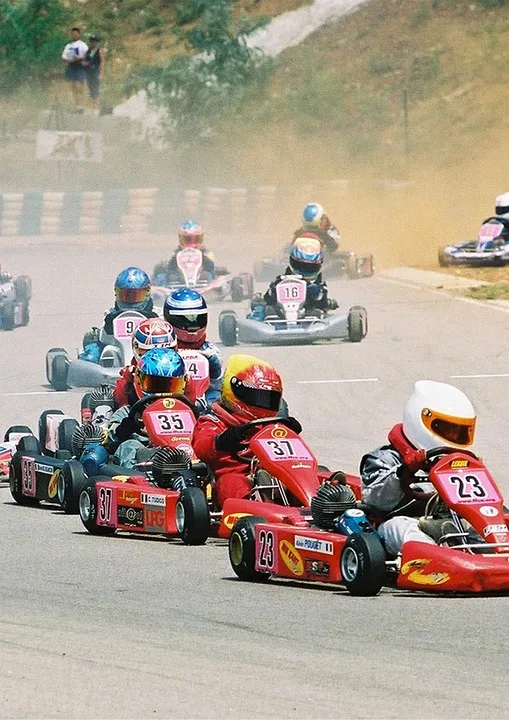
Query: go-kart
{"x": 15, "y": 294}
{"x": 339, "y": 264}
{"x": 219, "y": 285}
{"x": 64, "y": 372}
{"x": 49, "y": 468}
{"x": 471, "y": 532}
{"x": 165, "y": 493}
{"x": 290, "y": 323}
{"x": 491, "y": 247}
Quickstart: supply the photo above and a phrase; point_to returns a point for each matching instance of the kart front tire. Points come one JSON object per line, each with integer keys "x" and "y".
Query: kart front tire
{"x": 362, "y": 564}
{"x": 228, "y": 328}
{"x": 65, "y": 432}
{"x": 193, "y": 517}
{"x": 9, "y": 317}
{"x": 29, "y": 444}
{"x": 23, "y": 287}
{"x": 71, "y": 481}
{"x": 43, "y": 424}
{"x": 60, "y": 368}
{"x": 242, "y": 550}
{"x": 357, "y": 323}
{"x": 444, "y": 259}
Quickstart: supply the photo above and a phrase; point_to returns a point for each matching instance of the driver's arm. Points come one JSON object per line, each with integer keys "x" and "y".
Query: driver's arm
{"x": 381, "y": 485}
{"x": 120, "y": 428}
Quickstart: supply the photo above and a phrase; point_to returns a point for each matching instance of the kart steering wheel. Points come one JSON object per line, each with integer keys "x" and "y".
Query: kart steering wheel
{"x": 435, "y": 454}
{"x": 140, "y": 405}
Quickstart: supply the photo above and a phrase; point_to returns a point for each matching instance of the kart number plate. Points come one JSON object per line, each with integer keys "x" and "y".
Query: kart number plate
{"x": 469, "y": 488}
{"x": 173, "y": 423}
{"x": 190, "y": 259}
{"x": 490, "y": 230}
{"x": 286, "y": 449}
{"x": 290, "y": 292}
{"x": 197, "y": 365}
{"x": 123, "y": 327}
{"x": 28, "y": 476}
{"x": 265, "y": 554}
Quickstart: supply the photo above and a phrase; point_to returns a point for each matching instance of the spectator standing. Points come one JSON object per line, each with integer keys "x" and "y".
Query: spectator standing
{"x": 94, "y": 66}
{"x": 73, "y": 55}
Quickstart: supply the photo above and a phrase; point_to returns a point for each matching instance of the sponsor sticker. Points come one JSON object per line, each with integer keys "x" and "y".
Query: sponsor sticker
{"x": 317, "y": 567}
{"x": 279, "y": 431}
{"x": 313, "y": 545}
{"x": 231, "y": 519}
{"x": 459, "y": 463}
{"x": 154, "y": 520}
{"x": 488, "y": 511}
{"x": 53, "y": 485}
{"x": 147, "y": 499}
{"x": 169, "y": 403}
{"x": 291, "y": 557}
{"x": 128, "y": 497}
{"x": 415, "y": 571}
{"x": 47, "y": 469}
{"x": 489, "y": 529}
{"x": 129, "y": 516}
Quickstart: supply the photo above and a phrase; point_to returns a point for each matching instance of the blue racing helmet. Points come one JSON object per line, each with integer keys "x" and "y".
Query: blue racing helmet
{"x": 314, "y": 216}
{"x": 160, "y": 371}
{"x": 132, "y": 289}
{"x": 306, "y": 257}
{"x": 186, "y": 310}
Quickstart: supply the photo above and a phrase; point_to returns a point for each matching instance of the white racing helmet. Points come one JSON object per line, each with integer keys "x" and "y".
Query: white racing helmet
{"x": 438, "y": 414}
{"x": 502, "y": 204}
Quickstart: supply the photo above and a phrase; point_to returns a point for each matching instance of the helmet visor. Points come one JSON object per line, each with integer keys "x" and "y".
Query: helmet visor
{"x": 155, "y": 385}
{"x": 189, "y": 323}
{"x": 132, "y": 295}
{"x": 309, "y": 270}
{"x": 457, "y": 431}
{"x": 257, "y": 397}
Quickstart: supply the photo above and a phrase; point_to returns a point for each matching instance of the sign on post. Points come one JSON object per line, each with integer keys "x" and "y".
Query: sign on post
{"x": 64, "y": 145}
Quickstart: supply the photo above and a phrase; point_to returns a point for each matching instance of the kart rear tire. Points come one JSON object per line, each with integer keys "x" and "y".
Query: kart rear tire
{"x": 241, "y": 550}
{"x": 59, "y": 370}
{"x": 71, "y": 481}
{"x": 237, "y": 289}
{"x": 352, "y": 267}
{"x": 16, "y": 429}
{"x": 87, "y": 508}
{"x": 362, "y": 564}
{"x": 49, "y": 359}
{"x": 193, "y": 517}
{"x": 228, "y": 328}
{"x": 443, "y": 259}
{"x": 25, "y": 314}
{"x": 23, "y": 287}
{"x": 15, "y": 484}
{"x": 29, "y": 444}
{"x": 65, "y": 432}
{"x": 8, "y": 317}
{"x": 43, "y": 428}
{"x": 357, "y": 324}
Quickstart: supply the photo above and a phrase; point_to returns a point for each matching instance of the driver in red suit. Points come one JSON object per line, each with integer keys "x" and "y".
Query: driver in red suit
{"x": 251, "y": 389}
{"x": 436, "y": 415}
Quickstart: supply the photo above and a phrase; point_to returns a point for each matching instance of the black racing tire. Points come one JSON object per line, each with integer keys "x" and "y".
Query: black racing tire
{"x": 237, "y": 289}
{"x": 29, "y": 444}
{"x": 241, "y": 549}
{"x": 8, "y": 317}
{"x": 71, "y": 481}
{"x": 65, "y": 433}
{"x": 444, "y": 259}
{"x": 362, "y": 564}
{"x": 23, "y": 287}
{"x": 60, "y": 369}
{"x": 193, "y": 517}
{"x": 228, "y": 328}
{"x": 63, "y": 454}
{"x": 16, "y": 429}
{"x": 43, "y": 426}
{"x": 15, "y": 484}
{"x": 49, "y": 359}
{"x": 357, "y": 324}
{"x": 25, "y": 314}
{"x": 87, "y": 508}
{"x": 352, "y": 267}
{"x": 323, "y": 469}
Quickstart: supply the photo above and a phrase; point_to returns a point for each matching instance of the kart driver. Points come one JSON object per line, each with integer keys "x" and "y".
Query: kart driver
{"x": 306, "y": 260}
{"x": 5, "y": 277}
{"x": 186, "y": 311}
{"x": 315, "y": 220}
{"x": 190, "y": 235}
{"x": 159, "y": 371}
{"x": 251, "y": 389}
{"x": 151, "y": 333}
{"x": 436, "y": 415}
{"x": 132, "y": 292}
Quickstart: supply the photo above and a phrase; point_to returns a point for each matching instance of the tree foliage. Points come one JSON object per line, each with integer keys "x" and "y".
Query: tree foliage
{"x": 198, "y": 89}
{"x": 31, "y": 39}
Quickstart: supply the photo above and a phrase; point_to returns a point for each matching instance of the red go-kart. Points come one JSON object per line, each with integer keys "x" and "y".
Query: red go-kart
{"x": 471, "y": 555}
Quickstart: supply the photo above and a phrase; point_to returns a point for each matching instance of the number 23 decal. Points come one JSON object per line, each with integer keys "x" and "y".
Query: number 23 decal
{"x": 468, "y": 487}
{"x": 266, "y": 551}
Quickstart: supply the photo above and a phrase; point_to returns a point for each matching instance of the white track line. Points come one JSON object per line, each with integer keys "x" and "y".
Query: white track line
{"x": 36, "y": 392}
{"x": 480, "y": 375}
{"x": 344, "y": 380}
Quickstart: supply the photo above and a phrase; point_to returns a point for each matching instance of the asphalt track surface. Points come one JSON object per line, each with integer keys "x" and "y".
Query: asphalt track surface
{"x": 122, "y": 627}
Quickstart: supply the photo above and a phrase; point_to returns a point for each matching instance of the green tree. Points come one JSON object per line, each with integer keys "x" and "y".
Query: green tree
{"x": 31, "y": 40}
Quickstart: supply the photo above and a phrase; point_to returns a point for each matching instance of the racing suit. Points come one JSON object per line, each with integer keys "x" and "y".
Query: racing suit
{"x": 230, "y": 471}
{"x": 125, "y": 437}
{"x": 95, "y": 340}
{"x": 216, "y": 369}
{"x": 317, "y": 298}
{"x": 386, "y": 473}
{"x": 329, "y": 238}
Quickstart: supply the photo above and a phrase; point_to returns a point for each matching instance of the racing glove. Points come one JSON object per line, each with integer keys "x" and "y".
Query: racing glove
{"x": 293, "y": 424}
{"x": 332, "y": 304}
{"x": 127, "y": 427}
{"x": 230, "y": 440}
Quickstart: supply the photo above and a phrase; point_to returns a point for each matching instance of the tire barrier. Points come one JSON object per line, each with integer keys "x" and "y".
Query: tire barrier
{"x": 160, "y": 210}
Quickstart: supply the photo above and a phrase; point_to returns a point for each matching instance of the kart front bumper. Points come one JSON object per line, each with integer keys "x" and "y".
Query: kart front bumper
{"x": 282, "y": 333}
{"x": 476, "y": 259}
